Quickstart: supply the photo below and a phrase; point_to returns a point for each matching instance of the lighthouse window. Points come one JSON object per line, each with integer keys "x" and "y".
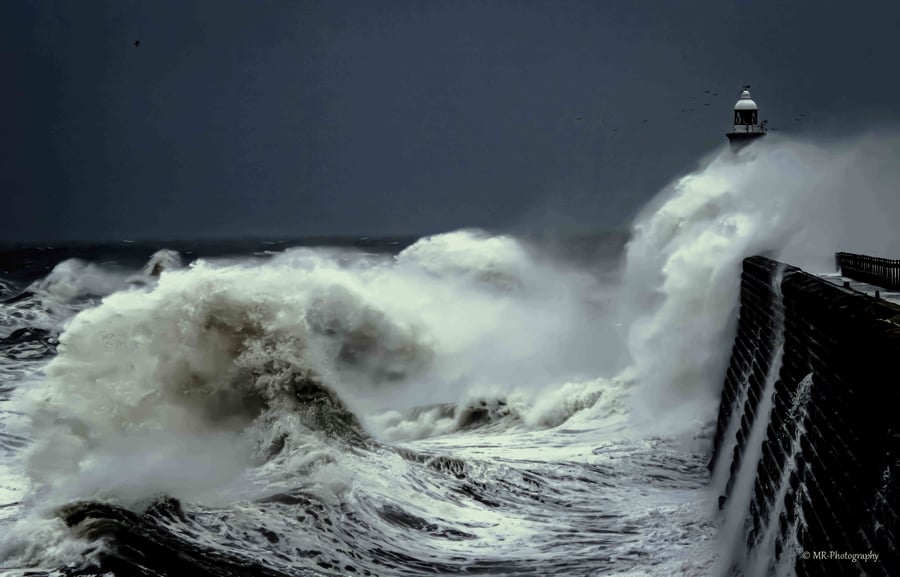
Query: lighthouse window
{"x": 745, "y": 117}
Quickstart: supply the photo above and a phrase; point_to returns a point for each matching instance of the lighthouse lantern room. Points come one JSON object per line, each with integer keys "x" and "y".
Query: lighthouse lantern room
{"x": 746, "y": 122}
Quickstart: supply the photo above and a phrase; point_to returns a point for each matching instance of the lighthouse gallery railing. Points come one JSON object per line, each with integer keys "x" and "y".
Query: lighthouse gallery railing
{"x": 874, "y": 270}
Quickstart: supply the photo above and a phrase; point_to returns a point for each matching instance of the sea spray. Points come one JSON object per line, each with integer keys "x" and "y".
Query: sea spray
{"x": 791, "y": 199}
{"x": 733, "y": 537}
{"x": 209, "y": 349}
{"x": 762, "y": 559}
{"x": 722, "y": 466}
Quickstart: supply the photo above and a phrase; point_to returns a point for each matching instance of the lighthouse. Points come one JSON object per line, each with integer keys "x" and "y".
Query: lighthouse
{"x": 746, "y": 127}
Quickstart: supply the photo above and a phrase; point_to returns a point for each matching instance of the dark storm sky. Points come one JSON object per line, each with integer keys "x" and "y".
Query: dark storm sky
{"x": 284, "y": 119}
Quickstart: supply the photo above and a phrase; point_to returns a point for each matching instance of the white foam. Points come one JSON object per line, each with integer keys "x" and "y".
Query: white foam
{"x": 206, "y": 350}
{"x": 74, "y": 278}
{"x": 797, "y": 201}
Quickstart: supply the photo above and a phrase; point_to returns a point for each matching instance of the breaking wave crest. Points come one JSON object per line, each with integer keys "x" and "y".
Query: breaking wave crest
{"x": 226, "y": 361}
{"x": 524, "y": 410}
{"x": 71, "y": 286}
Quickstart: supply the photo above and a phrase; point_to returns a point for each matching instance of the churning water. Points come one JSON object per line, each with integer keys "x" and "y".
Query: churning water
{"x": 464, "y": 403}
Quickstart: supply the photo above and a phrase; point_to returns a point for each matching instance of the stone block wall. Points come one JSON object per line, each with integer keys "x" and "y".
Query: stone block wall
{"x": 825, "y": 484}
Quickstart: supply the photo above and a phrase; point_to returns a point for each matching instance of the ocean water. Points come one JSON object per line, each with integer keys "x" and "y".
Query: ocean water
{"x": 466, "y": 403}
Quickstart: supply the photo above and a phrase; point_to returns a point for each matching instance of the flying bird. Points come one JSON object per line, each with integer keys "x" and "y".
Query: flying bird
{"x": 137, "y": 42}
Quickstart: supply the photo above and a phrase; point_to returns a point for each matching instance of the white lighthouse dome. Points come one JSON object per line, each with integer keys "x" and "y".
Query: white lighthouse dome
{"x": 745, "y": 103}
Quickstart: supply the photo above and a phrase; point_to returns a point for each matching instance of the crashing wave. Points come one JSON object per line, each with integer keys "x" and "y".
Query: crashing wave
{"x": 229, "y": 382}
{"x": 74, "y": 280}
{"x": 497, "y": 261}
{"x": 526, "y": 410}
{"x": 363, "y": 338}
{"x": 162, "y": 260}
{"x": 202, "y": 357}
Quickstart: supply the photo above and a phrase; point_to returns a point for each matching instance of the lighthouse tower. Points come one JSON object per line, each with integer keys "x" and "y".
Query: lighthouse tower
{"x": 746, "y": 122}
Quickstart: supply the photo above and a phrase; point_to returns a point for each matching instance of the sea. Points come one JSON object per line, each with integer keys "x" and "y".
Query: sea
{"x": 463, "y": 403}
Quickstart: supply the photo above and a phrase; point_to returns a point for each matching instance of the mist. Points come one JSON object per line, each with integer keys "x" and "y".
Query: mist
{"x": 796, "y": 200}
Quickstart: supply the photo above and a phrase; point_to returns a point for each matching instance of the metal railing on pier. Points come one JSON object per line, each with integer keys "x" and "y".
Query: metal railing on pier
{"x": 874, "y": 270}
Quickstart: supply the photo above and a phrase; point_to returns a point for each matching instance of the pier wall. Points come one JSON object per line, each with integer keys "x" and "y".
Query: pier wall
{"x": 819, "y": 364}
